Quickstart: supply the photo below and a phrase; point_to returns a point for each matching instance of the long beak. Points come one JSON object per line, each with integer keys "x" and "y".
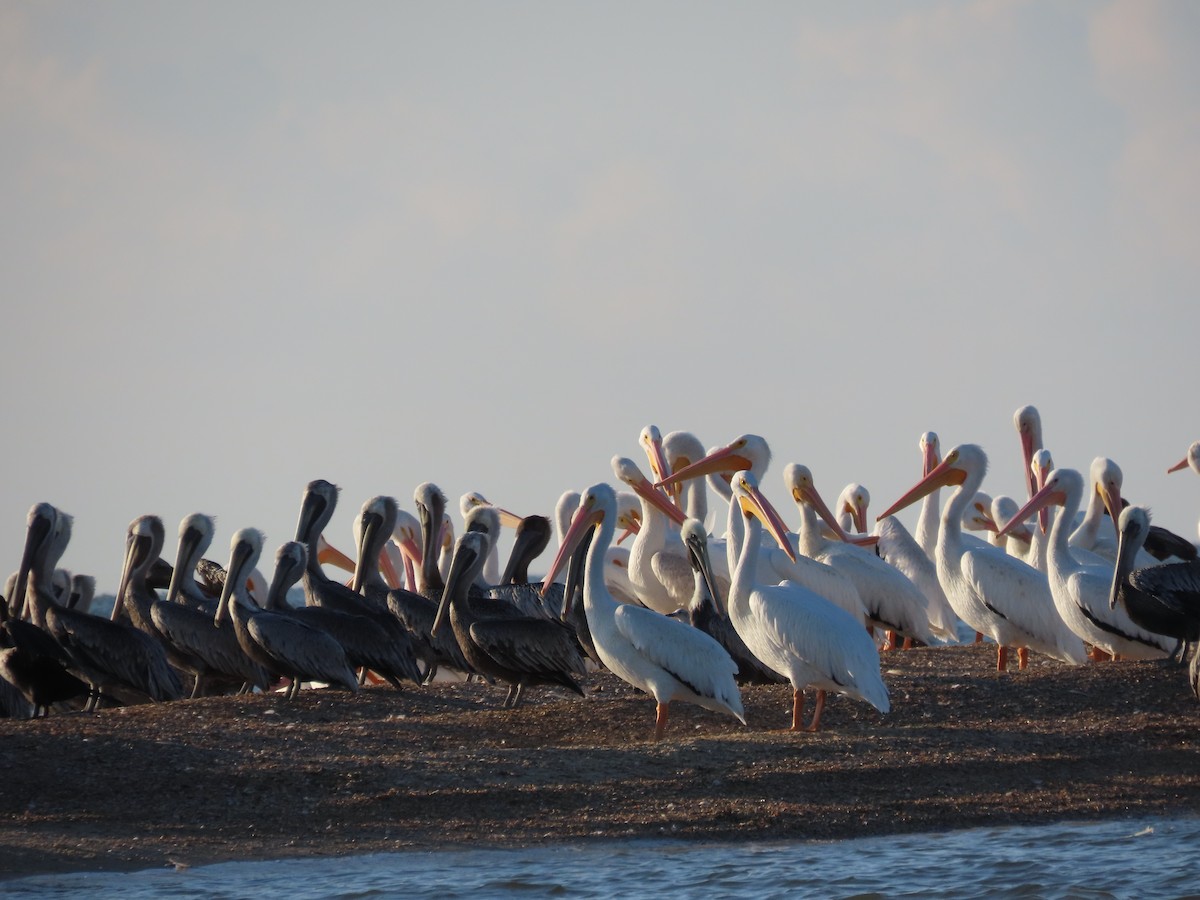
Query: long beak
{"x": 370, "y": 527}
{"x": 858, "y": 515}
{"x": 35, "y": 537}
{"x": 809, "y": 494}
{"x": 583, "y": 521}
{"x": 464, "y": 557}
{"x": 658, "y": 460}
{"x": 1112, "y": 502}
{"x": 507, "y": 519}
{"x": 765, "y": 512}
{"x": 329, "y": 555}
{"x": 1182, "y": 464}
{"x": 239, "y": 559}
{"x": 575, "y": 576}
{"x": 943, "y": 475}
{"x": 126, "y": 569}
{"x": 699, "y": 552}
{"x": 1126, "y": 551}
{"x": 659, "y": 501}
{"x": 633, "y": 529}
{"x": 1027, "y": 450}
{"x": 929, "y": 460}
{"x": 1043, "y": 498}
{"x": 183, "y": 555}
{"x": 724, "y": 460}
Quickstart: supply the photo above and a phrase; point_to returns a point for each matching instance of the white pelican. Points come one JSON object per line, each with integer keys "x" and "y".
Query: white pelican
{"x": 851, "y": 508}
{"x": 795, "y": 632}
{"x": 474, "y": 500}
{"x": 891, "y": 600}
{"x": 750, "y": 452}
{"x": 992, "y": 592}
{"x": 663, "y": 657}
{"x": 706, "y": 610}
{"x": 1081, "y": 592}
{"x": 1004, "y": 508}
{"x": 927, "y": 520}
{"x": 1191, "y": 460}
{"x": 658, "y": 566}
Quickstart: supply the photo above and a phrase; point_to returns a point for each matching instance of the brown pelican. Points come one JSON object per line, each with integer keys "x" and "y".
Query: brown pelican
{"x": 320, "y": 500}
{"x": 106, "y": 653}
{"x": 135, "y": 598}
{"x": 373, "y": 529}
{"x": 533, "y": 536}
{"x": 195, "y": 537}
{"x": 1161, "y": 599}
{"x": 366, "y": 645}
{"x": 418, "y": 610}
{"x": 475, "y": 500}
{"x": 666, "y": 659}
{"x": 515, "y": 649}
{"x": 214, "y": 651}
{"x": 279, "y": 644}
{"x": 33, "y": 670}
{"x": 83, "y": 591}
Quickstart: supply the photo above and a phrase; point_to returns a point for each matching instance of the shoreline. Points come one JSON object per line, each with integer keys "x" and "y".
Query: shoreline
{"x": 227, "y": 779}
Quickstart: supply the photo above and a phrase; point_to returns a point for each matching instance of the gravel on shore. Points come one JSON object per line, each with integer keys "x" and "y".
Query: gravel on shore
{"x": 229, "y": 778}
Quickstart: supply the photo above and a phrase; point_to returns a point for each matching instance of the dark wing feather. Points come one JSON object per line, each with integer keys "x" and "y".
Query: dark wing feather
{"x": 1175, "y": 585}
{"x": 543, "y": 649}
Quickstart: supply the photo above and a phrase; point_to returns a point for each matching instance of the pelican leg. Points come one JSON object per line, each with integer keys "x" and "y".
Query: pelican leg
{"x": 514, "y": 690}
{"x": 197, "y": 685}
{"x": 797, "y": 708}
{"x": 979, "y": 637}
{"x": 1098, "y": 655}
{"x": 908, "y": 643}
{"x": 660, "y": 721}
{"x": 1022, "y": 657}
{"x": 815, "y": 724}
{"x": 889, "y": 640}
{"x": 1001, "y": 658}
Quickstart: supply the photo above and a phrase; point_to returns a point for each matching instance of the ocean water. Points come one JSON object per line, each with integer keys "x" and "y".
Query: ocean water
{"x": 1140, "y": 858}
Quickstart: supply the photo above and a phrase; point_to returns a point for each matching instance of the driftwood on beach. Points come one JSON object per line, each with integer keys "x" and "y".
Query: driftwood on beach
{"x": 226, "y": 778}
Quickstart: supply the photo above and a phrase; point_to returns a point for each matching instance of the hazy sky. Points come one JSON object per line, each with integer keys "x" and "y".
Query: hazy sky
{"x": 248, "y": 245}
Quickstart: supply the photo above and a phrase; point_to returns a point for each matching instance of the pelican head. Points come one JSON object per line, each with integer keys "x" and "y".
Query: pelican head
{"x": 1028, "y": 422}
{"x": 961, "y": 463}
{"x": 1063, "y": 487}
{"x": 1133, "y": 526}
{"x": 853, "y": 502}
{"x": 291, "y": 559}
{"x": 316, "y": 509}
{"x": 749, "y": 452}
{"x": 597, "y": 506}
{"x": 1192, "y": 459}
{"x": 931, "y": 451}
{"x": 245, "y": 547}
{"x": 195, "y": 536}
{"x": 753, "y": 502}
{"x": 627, "y": 471}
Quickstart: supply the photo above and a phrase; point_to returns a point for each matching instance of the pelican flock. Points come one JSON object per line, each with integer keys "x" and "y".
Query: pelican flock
{"x": 684, "y": 615}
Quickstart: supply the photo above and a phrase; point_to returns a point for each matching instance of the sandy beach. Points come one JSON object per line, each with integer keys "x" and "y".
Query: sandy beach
{"x": 230, "y": 778}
